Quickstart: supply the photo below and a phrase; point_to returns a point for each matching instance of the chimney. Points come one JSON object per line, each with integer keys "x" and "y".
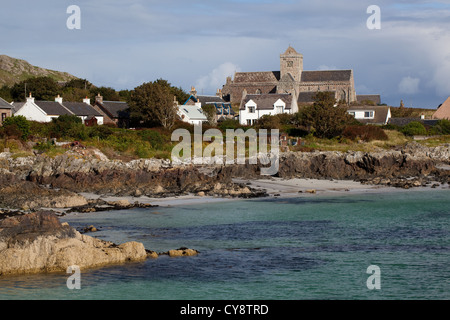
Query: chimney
{"x": 99, "y": 98}
{"x": 175, "y": 101}
{"x": 219, "y": 93}
{"x": 30, "y": 99}
{"x": 193, "y": 92}
{"x": 58, "y": 99}
{"x": 87, "y": 100}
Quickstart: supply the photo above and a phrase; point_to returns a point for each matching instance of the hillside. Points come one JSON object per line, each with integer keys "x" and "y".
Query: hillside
{"x": 14, "y": 70}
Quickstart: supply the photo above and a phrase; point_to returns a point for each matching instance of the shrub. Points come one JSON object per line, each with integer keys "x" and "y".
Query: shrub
{"x": 102, "y": 132}
{"x": 366, "y": 133}
{"x": 443, "y": 126}
{"x": 22, "y": 126}
{"x": 157, "y": 140}
{"x": 68, "y": 126}
{"x": 414, "y": 128}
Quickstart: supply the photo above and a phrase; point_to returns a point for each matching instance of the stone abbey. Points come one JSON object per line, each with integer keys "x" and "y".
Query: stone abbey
{"x": 291, "y": 79}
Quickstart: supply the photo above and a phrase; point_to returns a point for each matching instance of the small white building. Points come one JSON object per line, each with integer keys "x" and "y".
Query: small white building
{"x": 192, "y": 114}
{"x": 254, "y": 106}
{"x": 371, "y": 114}
{"x": 45, "y": 111}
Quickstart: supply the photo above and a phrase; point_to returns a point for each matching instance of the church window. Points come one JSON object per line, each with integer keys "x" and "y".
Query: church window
{"x": 289, "y": 64}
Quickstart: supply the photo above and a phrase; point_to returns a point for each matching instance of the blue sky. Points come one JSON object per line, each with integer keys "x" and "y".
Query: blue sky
{"x": 124, "y": 43}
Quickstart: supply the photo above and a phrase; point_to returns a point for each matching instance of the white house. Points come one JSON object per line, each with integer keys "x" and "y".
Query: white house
{"x": 371, "y": 114}
{"x": 45, "y": 111}
{"x": 192, "y": 114}
{"x": 254, "y": 106}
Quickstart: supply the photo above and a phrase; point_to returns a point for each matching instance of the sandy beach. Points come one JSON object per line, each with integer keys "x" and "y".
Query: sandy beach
{"x": 275, "y": 187}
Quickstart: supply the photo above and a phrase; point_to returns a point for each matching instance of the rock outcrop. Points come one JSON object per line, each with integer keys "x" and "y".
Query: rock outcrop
{"x": 38, "y": 242}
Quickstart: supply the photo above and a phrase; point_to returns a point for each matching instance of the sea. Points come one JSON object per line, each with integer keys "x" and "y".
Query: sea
{"x": 357, "y": 246}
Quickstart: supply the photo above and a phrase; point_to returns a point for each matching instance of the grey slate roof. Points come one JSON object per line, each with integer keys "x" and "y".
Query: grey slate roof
{"x": 118, "y": 109}
{"x": 81, "y": 109}
{"x": 326, "y": 75}
{"x": 266, "y": 101}
{"x": 262, "y": 76}
{"x": 375, "y": 98}
{"x": 4, "y": 104}
{"x": 52, "y": 108}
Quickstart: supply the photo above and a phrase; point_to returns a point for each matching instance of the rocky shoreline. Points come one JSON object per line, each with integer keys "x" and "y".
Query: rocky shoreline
{"x": 32, "y": 240}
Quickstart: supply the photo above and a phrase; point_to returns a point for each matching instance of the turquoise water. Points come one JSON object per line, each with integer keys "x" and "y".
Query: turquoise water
{"x": 308, "y": 247}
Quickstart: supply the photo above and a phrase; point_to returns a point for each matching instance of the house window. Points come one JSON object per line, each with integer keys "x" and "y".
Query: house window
{"x": 368, "y": 114}
{"x": 279, "y": 109}
{"x": 3, "y": 117}
{"x": 251, "y": 109}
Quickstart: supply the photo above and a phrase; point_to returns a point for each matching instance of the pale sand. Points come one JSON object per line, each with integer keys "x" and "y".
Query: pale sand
{"x": 273, "y": 186}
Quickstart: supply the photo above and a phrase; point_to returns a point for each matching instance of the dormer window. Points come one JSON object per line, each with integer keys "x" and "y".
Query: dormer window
{"x": 251, "y": 109}
{"x": 368, "y": 114}
{"x": 279, "y": 109}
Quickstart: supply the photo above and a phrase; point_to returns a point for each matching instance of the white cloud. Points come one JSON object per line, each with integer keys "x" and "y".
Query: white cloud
{"x": 409, "y": 85}
{"x": 216, "y": 78}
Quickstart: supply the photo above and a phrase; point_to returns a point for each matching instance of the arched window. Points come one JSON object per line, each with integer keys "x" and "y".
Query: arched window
{"x": 258, "y": 91}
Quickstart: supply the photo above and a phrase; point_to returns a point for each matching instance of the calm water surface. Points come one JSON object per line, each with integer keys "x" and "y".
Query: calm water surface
{"x": 308, "y": 247}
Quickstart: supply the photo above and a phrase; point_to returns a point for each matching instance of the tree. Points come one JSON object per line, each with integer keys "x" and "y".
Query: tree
{"x": 68, "y": 126}
{"x": 210, "y": 112}
{"x": 42, "y": 88}
{"x": 323, "y": 118}
{"x": 152, "y": 104}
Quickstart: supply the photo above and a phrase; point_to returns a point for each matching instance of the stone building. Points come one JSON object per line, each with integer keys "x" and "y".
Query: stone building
{"x": 290, "y": 79}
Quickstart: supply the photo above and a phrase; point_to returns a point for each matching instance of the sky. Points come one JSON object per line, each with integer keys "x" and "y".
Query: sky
{"x": 125, "y": 43}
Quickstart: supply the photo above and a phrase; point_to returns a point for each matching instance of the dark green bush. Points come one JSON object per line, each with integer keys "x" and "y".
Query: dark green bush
{"x": 414, "y": 128}
{"x": 18, "y": 126}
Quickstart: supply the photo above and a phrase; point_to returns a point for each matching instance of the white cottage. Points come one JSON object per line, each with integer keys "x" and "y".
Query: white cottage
{"x": 45, "y": 111}
{"x": 371, "y": 114}
{"x": 254, "y": 106}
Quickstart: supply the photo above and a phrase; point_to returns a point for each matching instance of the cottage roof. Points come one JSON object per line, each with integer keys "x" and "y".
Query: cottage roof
{"x": 193, "y": 112}
{"x": 266, "y": 101}
{"x": 52, "y": 108}
{"x": 210, "y": 100}
{"x": 81, "y": 109}
{"x": 4, "y": 104}
{"x": 117, "y": 109}
{"x": 380, "y": 113}
{"x": 262, "y": 76}
{"x": 375, "y": 98}
{"x": 443, "y": 112}
{"x": 326, "y": 75}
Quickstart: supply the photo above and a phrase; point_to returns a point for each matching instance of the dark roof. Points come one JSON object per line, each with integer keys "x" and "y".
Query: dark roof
{"x": 404, "y": 121}
{"x": 326, "y": 75}
{"x": 118, "y": 109}
{"x": 266, "y": 101}
{"x": 52, "y": 108}
{"x": 81, "y": 109}
{"x": 380, "y": 116}
{"x": 375, "y": 98}
{"x": 262, "y": 76}
{"x": 4, "y": 104}
{"x": 16, "y": 106}
{"x": 308, "y": 97}
{"x": 210, "y": 100}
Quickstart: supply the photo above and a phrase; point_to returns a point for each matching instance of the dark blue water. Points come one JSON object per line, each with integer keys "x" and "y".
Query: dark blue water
{"x": 309, "y": 247}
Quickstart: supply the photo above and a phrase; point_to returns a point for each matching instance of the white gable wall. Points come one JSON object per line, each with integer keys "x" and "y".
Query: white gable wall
{"x": 248, "y": 118}
{"x": 32, "y": 112}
